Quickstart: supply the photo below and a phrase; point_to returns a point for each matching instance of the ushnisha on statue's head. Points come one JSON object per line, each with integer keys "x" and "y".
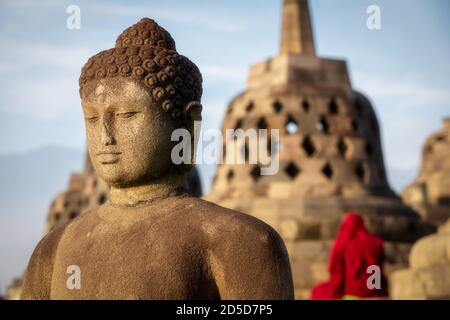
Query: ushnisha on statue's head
{"x": 133, "y": 96}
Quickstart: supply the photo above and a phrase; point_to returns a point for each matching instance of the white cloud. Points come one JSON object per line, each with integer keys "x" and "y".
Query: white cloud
{"x": 27, "y": 56}
{"x": 49, "y": 98}
{"x": 5, "y": 67}
{"x": 69, "y": 58}
{"x": 198, "y": 17}
{"x": 408, "y": 111}
{"x": 46, "y": 98}
{"x": 31, "y": 90}
{"x": 224, "y": 73}
{"x": 407, "y": 92}
{"x": 194, "y": 18}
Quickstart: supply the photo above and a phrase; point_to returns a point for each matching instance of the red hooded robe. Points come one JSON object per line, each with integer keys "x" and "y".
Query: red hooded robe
{"x": 354, "y": 250}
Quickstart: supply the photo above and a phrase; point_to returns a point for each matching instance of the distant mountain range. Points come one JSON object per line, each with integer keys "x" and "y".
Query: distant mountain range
{"x": 28, "y": 182}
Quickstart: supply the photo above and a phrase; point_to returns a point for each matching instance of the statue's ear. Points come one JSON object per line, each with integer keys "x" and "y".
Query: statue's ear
{"x": 193, "y": 111}
{"x": 192, "y": 115}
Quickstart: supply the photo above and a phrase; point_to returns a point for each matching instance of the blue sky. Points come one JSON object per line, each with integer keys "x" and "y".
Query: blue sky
{"x": 404, "y": 67}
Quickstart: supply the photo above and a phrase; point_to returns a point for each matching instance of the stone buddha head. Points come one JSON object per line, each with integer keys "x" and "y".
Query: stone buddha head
{"x": 133, "y": 97}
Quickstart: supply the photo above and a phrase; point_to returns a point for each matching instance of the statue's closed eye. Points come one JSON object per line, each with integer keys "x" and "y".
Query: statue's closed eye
{"x": 91, "y": 119}
{"x": 126, "y": 114}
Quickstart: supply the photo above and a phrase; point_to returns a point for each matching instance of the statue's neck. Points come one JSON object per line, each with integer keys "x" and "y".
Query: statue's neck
{"x": 147, "y": 193}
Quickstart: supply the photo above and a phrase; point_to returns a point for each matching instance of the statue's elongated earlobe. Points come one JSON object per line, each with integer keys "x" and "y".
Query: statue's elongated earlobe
{"x": 193, "y": 111}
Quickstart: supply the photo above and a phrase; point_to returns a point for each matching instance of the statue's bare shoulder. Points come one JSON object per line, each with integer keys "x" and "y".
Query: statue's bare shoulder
{"x": 217, "y": 222}
{"x": 37, "y": 281}
{"x": 241, "y": 249}
{"x": 38, "y": 277}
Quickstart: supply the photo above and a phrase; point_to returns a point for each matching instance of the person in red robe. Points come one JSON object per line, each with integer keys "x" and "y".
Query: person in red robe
{"x": 354, "y": 250}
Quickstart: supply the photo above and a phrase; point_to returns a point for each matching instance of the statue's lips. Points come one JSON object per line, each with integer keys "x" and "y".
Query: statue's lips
{"x": 108, "y": 157}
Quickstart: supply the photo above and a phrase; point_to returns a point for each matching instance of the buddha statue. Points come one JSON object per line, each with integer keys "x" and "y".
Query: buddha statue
{"x": 151, "y": 239}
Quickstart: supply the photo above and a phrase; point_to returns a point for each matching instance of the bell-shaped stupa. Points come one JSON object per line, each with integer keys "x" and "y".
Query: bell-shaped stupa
{"x": 86, "y": 191}
{"x": 429, "y": 193}
{"x": 330, "y": 154}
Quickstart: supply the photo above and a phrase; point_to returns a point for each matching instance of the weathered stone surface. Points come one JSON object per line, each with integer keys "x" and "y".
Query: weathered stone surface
{"x": 445, "y": 228}
{"x": 429, "y": 193}
{"x": 14, "y": 290}
{"x": 303, "y": 256}
{"x": 430, "y": 251}
{"x": 428, "y": 276}
{"x": 429, "y": 283}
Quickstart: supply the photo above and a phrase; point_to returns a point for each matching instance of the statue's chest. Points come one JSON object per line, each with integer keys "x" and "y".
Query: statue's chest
{"x": 127, "y": 264}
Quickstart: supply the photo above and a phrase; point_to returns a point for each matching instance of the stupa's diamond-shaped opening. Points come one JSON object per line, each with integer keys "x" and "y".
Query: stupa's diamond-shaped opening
{"x": 327, "y": 170}
{"x": 262, "y": 124}
{"x": 305, "y": 106}
{"x": 73, "y": 215}
{"x": 291, "y": 125}
{"x": 333, "y": 107}
{"x": 102, "y": 198}
{"x": 292, "y": 170}
{"x": 256, "y": 173}
{"x": 322, "y": 125}
{"x": 230, "y": 175}
{"x": 360, "y": 171}
{"x": 277, "y": 106}
{"x": 238, "y": 124}
{"x": 342, "y": 147}
{"x": 249, "y": 107}
{"x": 308, "y": 146}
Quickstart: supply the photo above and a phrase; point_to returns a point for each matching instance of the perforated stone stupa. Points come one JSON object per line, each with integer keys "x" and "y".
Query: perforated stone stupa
{"x": 331, "y": 159}
{"x": 429, "y": 193}
{"x": 86, "y": 191}
{"x": 428, "y": 275}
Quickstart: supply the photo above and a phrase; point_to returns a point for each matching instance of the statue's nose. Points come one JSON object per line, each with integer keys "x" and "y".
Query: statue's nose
{"x": 107, "y": 131}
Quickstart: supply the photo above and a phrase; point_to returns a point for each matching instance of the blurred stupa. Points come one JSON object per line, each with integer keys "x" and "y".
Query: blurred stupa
{"x": 331, "y": 159}
{"x": 429, "y": 193}
{"x": 87, "y": 191}
{"x": 84, "y": 191}
{"x": 428, "y": 275}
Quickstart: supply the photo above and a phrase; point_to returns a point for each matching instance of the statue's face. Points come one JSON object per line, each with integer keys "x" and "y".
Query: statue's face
{"x": 128, "y": 136}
